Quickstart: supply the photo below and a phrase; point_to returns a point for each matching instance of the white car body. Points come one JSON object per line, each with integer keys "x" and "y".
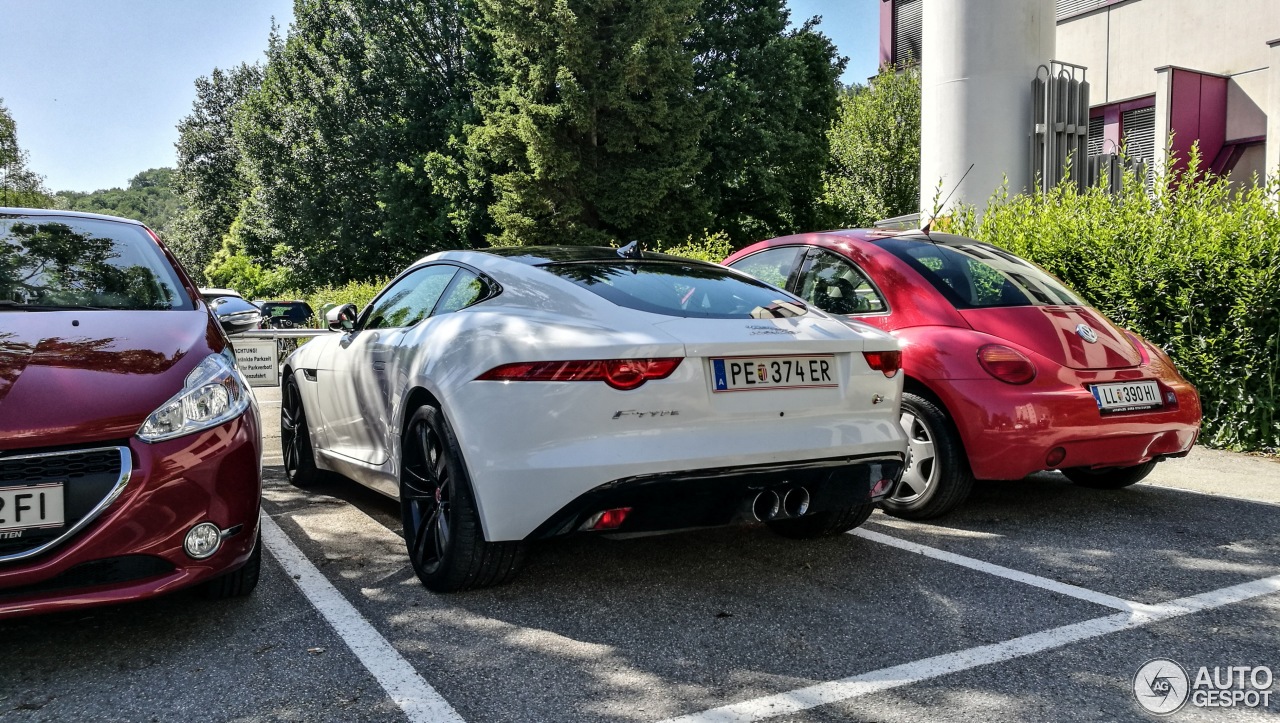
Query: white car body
{"x": 532, "y": 448}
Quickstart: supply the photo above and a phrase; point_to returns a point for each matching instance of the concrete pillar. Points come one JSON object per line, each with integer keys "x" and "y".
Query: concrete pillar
{"x": 978, "y": 59}
{"x": 1273, "y": 112}
{"x": 1164, "y": 118}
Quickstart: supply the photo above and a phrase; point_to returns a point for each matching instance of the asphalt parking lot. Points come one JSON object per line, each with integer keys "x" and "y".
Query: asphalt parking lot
{"x": 1036, "y": 601}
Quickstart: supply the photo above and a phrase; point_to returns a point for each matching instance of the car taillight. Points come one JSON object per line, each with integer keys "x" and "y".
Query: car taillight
{"x": 1007, "y": 365}
{"x": 888, "y": 362}
{"x": 618, "y": 373}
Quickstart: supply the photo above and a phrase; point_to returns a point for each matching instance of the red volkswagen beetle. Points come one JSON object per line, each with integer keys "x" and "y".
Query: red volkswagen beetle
{"x": 129, "y": 447}
{"x": 1007, "y": 371}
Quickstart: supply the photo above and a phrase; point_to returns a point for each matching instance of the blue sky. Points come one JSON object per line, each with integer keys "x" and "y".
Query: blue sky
{"x": 97, "y": 86}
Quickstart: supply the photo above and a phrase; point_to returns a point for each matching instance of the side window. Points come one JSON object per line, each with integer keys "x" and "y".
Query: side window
{"x": 773, "y": 266}
{"x": 838, "y": 287}
{"x": 466, "y": 289}
{"x": 410, "y": 299}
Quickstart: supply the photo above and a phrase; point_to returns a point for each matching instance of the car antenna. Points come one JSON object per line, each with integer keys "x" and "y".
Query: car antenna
{"x": 925, "y": 228}
{"x": 633, "y": 250}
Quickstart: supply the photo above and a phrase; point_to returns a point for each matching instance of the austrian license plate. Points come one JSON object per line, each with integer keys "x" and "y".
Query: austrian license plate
{"x": 32, "y": 506}
{"x": 1127, "y": 396}
{"x": 737, "y": 374}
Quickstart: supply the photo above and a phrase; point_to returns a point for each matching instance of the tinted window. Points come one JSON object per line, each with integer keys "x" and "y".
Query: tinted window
{"x": 411, "y": 299}
{"x": 60, "y": 262}
{"x": 976, "y": 275}
{"x": 675, "y": 289}
{"x": 296, "y": 313}
{"x": 467, "y": 289}
{"x": 836, "y": 286}
{"x": 773, "y": 266}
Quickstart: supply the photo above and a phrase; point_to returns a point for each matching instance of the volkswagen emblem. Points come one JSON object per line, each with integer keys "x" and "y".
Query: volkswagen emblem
{"x": 1087, "y": 333}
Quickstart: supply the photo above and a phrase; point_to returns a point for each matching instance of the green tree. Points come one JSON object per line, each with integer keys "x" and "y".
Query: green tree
{"x": 208, "y": 180}
{"x": 591, "y": 127}
{"x": 771, "y": 94}
{"x": 19, "y": 185}
{"x": 149, "y": 198}
{"x": 342, "y": 142}
{"x": 874, "y": 171}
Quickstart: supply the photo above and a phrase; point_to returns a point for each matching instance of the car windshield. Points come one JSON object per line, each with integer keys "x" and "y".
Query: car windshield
{"x": 297, "y": 313}
{"x": 676, "y": 289}
{"x": 62, "y": 262}
{"x": 975, "y": 275}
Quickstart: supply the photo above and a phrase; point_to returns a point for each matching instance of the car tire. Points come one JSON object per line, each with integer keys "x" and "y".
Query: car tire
{"x": 239, "y": 582}
{"x": 822, "y": 524}
{"x": 295, "y": 438}
{"x": 1110, "y": 478}
{"x": 937, "y": 477}
{"x": 438, "y": 510}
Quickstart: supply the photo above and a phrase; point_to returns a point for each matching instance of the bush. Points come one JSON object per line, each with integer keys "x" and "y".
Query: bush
{"x": 1193, "y": 266}
{"x": 359, "y": 293}
{"x": 713, "y": 247}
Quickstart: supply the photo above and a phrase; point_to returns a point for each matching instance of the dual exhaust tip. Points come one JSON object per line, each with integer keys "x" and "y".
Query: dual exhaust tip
{"x": 769, "y": 506}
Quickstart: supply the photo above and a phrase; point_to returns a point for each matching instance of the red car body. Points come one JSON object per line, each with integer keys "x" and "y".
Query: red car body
{"x": 76, "y": 387}
{"x": 1010, "y": 430}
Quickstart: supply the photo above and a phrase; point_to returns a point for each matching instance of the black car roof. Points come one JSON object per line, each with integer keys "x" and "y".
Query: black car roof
{"x": 539, "y": 255}
{"x": 11, "y": 212}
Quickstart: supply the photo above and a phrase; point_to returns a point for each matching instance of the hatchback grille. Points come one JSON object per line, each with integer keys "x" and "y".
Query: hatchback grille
{"x": 110, "y": 571}
{"x": 91, "y": 479}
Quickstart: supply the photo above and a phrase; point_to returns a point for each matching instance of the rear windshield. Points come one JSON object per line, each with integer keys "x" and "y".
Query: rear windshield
{"x": 977, "y": 275}
{"x": 294, "y": 312}
{"x": 675, "y": 289}
{"x": 60, "y": 262}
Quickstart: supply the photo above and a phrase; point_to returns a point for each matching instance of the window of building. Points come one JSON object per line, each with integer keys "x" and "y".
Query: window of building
{"x": 907, "y": 23}
{"x": 1067, "y": 8}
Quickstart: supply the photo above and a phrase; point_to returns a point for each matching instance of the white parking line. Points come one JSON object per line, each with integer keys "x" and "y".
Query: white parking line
{"x": 921, "y": 670}
{"x": 1026, "y": 578}
{"x": 419, "y": 701}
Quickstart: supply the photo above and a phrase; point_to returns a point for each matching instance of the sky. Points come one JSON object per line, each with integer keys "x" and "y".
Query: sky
{"x": 97, "y": 87}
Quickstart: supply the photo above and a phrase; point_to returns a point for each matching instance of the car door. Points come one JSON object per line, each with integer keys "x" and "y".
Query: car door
{"x": 837, "y": 286}
{"x": 354, "y": 406}
{"x": 399, "y": 353}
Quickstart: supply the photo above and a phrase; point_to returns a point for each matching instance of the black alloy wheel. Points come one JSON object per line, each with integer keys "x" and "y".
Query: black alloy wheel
{"x": 295, "y": 439}
{"x": 441, "y": 524}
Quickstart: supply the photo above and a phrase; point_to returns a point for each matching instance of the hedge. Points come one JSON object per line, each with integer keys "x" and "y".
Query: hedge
{"x": 1193, "y": 265}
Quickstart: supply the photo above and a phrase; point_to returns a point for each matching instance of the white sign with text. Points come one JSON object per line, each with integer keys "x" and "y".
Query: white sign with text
{"x": 257, "y": 360}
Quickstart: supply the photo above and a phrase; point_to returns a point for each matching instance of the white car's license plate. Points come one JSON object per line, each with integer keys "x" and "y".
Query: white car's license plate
{"x": 737, "y": 374}
{"x": 32, "y": 506}
{"x": 1127, "y": 396}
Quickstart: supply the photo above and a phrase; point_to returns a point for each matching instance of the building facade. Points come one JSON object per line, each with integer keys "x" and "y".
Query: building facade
{"x": 1201, "y": 70}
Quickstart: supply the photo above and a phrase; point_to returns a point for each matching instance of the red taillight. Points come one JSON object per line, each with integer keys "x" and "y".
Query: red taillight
{"x": 618, "y": 373}
{"x": 1007, "y": 365}
{"x": 607, "y": 520}
{"x": 888, "y": 362}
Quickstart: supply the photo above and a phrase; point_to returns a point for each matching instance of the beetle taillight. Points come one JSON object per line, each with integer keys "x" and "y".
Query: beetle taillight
{"x": 1008, "y": 365}
{"x": 621, "y": 374}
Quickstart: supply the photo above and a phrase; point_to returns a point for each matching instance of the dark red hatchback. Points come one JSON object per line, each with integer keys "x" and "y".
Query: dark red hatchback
{"x": 130, "y": 457}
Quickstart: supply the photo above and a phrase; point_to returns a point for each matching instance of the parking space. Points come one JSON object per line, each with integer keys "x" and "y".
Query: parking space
{"x": 1038, "y": 600}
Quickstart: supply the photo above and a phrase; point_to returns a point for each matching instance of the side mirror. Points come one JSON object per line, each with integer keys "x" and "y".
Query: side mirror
{"x": 235, "y": 314}
{"x": 341, "y": 318}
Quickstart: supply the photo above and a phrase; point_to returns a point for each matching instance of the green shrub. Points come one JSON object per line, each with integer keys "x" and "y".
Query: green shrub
{"x": 1193, "y": 266}
{"x": 712, "y": 246}
{"x": 359, "y": 293}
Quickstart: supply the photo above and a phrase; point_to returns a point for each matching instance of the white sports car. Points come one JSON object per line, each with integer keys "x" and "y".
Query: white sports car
{"x": 516, "y": 394}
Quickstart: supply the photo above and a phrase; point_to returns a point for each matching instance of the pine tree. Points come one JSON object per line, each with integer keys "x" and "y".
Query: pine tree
{"x": 591, "y": 127}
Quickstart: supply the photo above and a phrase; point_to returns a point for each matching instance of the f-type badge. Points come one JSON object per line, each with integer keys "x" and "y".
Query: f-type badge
{"x": 645, "y": 415}
{"x": 1087, "y": 333}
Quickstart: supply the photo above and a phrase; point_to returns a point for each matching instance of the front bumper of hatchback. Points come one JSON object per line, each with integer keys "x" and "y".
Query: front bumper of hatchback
{"x": 133, "y": 548}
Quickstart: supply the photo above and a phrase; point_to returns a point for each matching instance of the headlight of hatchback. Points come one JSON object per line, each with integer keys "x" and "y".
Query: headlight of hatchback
{"x": 213, "y": 393}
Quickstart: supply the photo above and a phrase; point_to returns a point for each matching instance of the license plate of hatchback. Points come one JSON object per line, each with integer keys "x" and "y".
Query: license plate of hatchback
{"x": 31, "y": 506}
{"x": 740, "y": 374}
{"x": 1127, "y": 396}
